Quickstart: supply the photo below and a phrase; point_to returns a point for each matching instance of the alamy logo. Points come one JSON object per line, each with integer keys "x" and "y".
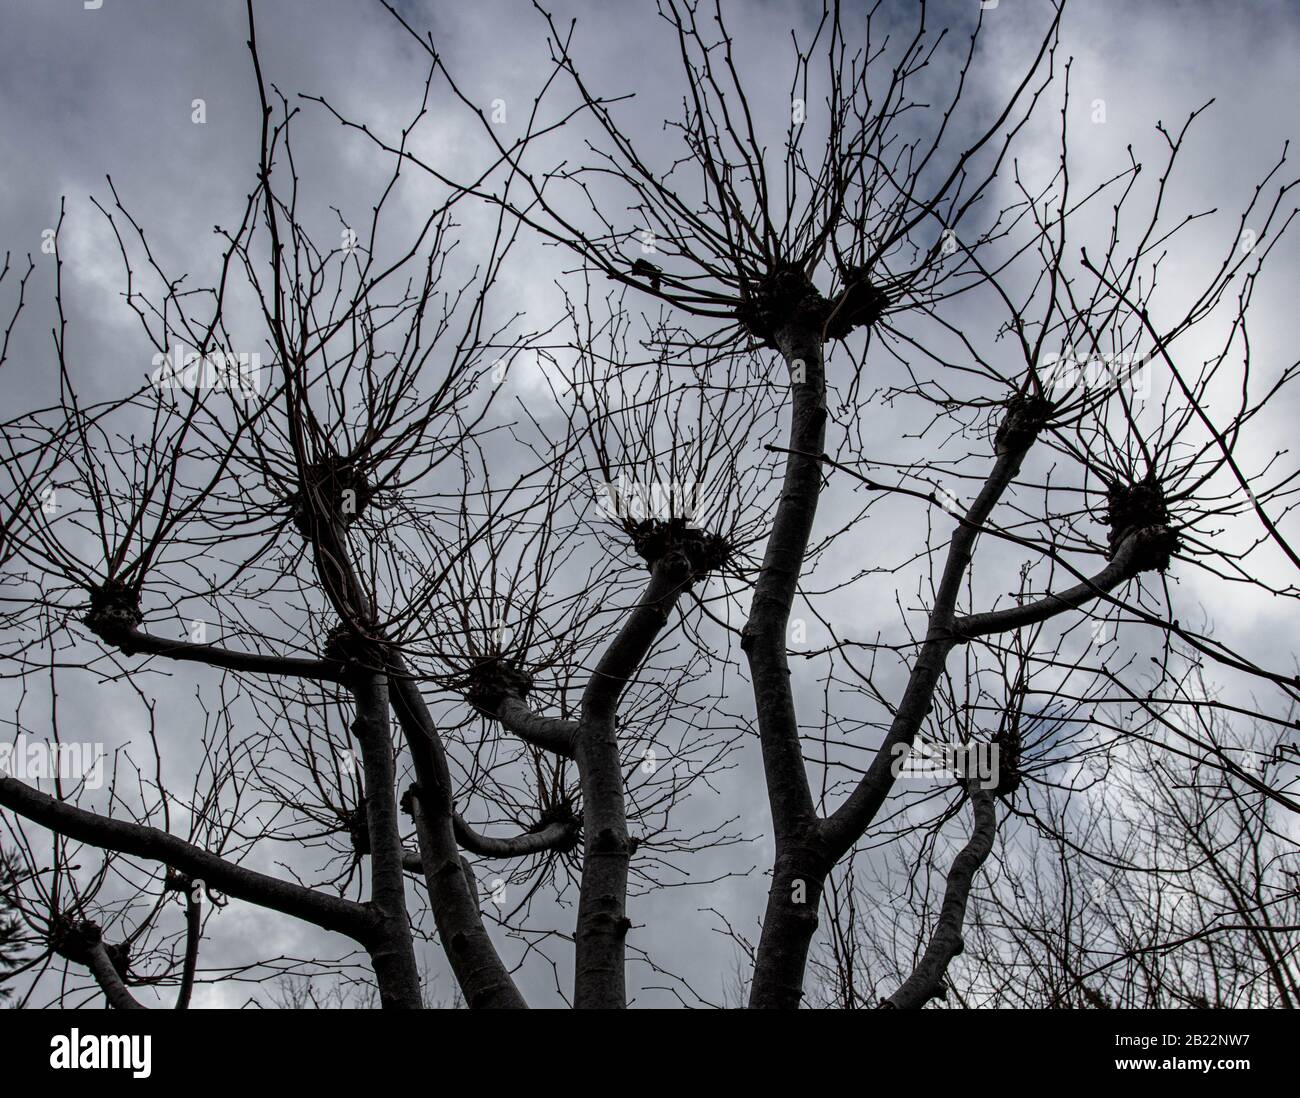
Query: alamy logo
{"x": 103, "y": 1051}
{"x": 659, "y": 499}
{"x": 1095, "y": 372}
{"x": 182, "y": 369}
{"x": 968, "y": 762}
{"x": 69, "y": 762}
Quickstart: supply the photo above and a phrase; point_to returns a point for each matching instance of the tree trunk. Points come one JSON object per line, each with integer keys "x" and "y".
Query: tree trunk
{"x": 800, "y": 868}
{"x": 391, "y": 947}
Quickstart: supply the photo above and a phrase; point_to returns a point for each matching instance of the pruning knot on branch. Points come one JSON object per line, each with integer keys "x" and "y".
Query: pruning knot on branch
{"x": 786, "y": 297}
{"x": 176, "y": 881}
{"x": 1025, "y": 417}
{"x": 491, "y": 680}
{"x": 1140, "y": 511}
{"x": 358, "y": 827}
{"x": 861, "y": 303}
{"x": 75, "y": 939}
{"x": 334, "y": 484}
{"x": 1009, "y": 773}
{"x": 114, "y": 612}
{"x": 783, "y": 297}
{"x": 560, "y": 812}
{"x": 700, "y": 551}
{"x": 352, "y": 651}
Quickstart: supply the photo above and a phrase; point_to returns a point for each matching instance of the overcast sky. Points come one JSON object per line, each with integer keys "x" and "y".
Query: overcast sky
{"x": 86, "y": 94}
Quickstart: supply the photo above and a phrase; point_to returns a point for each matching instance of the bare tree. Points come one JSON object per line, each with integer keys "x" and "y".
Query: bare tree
{"x": 1162, "y": 886}
{"x": 495, "y": 617}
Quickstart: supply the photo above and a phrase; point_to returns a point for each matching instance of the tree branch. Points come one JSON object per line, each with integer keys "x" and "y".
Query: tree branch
{"x": 599, "y": 978}
{"x": 391, "y": 948}
{"x": 134, "y": 642}
{"x": 330, "y": 912}
{"x": 926, "y": 980}
{"x": 549, "y": 733}
{"x": 107, "y": 977}
{"x": 482, "y": 976}
{"x": 1124, "y": 566}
